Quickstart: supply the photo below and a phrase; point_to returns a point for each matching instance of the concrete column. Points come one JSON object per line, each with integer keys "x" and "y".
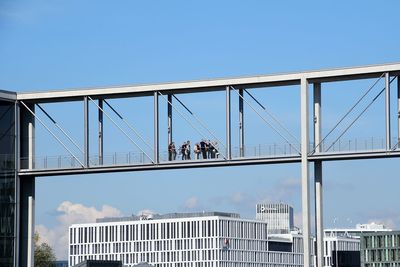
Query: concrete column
{"x": 170, "y": 137}
{"x": 398, "y": 112}
{"x": 241, "y": 123}
{"x": 86, "y": 131}
{"x": 101, "y": 139}
{"x": 26, "y": 220}
{"x": 318, "y": 177}
{"x": 228, "y": 123}
{"x": 31, "y": 231}
{"x": 27, "y": 136}
{"x": 387, "y": 110}
{"x": 156, "y": 123}
{"x": 305, "y": 179}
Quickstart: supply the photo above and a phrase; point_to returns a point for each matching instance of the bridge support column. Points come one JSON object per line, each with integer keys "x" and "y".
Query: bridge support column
{"x": 398, "y": 112}
{"x": 387, "y": 110}
{"x": 305, "y": 175}
{"x": 170, "y": 137}
{"x": 156, "y": 123}
{"x": 26, "y": 188}
{"x": 26, "y": 220}
{"x": 318, "y": 177}
{"x": 241, "y": 124}
{"x": 101, "y": 140}
{"x": 228, "y": 123}
{"x": 86, "y": 131}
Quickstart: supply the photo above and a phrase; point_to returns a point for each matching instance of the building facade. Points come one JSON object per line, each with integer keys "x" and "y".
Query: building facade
{"x": 8, "y": 242}
{"x": 341, "y": 251}
{"x": 358, "y": 230}
{"x": 381, "y": 249}
{"x": 178, "y": 240}
{"x": 279, "y": 217}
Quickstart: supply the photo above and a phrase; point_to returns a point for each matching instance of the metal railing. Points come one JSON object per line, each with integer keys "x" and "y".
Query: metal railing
{"x": 270, "y": 150}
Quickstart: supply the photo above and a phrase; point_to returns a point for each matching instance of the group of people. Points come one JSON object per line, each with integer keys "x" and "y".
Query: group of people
{"x": 204, "y": 149}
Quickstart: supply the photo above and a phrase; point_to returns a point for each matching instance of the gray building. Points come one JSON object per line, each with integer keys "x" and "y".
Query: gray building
{"x": 279, "y": 217}
{"x": 381, "y": 249}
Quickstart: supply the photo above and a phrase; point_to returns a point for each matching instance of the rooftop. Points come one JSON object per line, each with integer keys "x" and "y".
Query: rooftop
{"x": 167, "y": 216}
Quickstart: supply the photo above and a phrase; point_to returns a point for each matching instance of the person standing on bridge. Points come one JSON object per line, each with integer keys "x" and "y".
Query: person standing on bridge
{"x": 197, "y": 150}
{"x": 183, "y": 151}
{"x": 171, "y": 151}
{"x": 188, "y": 149}
{"x": 203, "y": 149}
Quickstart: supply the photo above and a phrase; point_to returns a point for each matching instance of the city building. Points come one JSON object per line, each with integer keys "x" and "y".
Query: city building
{"x": 341, "y": 250}
{"x": 279, "y": 217}
{"x": 380, "y": 249}
{"x": 99, "y": 263}
{"x": 360, "y": 229}
{"x": 208, "y": 239}
{"x": 60, "y": 264}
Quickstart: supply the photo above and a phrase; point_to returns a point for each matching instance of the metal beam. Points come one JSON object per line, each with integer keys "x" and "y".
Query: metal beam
{"x": 241, "y": 123}
{"x": 387, "y": 111}
{"x": 208, "y": 163}
{"x": 169, "y": 103}
{"x": 318, "y": 177}
{"x": 217, "y": 84}
{"x": 86, "y": 131}
{"x": 156, "y": 131}
{"x": 228, "y": 123}
{"x": 101, "y": 138}
{"x": 305, "y": 175}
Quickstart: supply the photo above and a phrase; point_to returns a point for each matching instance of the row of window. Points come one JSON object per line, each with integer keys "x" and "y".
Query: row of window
{"x": 153, "y": 257}
{"x": 144, "y": 246}
{"x": 388, "y": 240}
{"x": 143, "y": 231}
{"x": 377, "y": 255}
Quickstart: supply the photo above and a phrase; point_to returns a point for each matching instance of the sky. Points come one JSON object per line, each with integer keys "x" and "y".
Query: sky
{"x": 47, "y": 45}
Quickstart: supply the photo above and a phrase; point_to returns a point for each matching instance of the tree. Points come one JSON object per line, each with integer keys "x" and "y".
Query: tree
{"x": 44, "y": 254}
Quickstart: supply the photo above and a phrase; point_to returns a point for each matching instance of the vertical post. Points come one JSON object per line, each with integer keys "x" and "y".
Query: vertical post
{"x": 101, "y": 140}
{"x": 169, "y": 119}
{"x": 26, "y": 220}
{"x": 398, "y": 112}
{"x": 86, "y": 131}
{"x": 305, "y": 179}
{"x": 387, "y": 109}
{"x": 228, "y": 123}
{"x": 241, "y": 124}
{"x": 156, "y": 137}
{"x": 318, "y": 177}
{"x": 31, "y": 231}
{"x": 25, "y": 186}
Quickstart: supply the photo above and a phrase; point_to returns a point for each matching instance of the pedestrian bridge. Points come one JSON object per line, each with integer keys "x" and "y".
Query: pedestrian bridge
{"x": 22, "y": 113}
{"x": 257, "y": 154}
{"x": 333, "y": 145}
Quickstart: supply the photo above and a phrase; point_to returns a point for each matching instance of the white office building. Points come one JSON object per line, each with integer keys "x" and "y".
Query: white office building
{"x": 279, "y": 217}
{"x": 358, "y": 230}
{"x": 334, "y": 245}
{"x": 210, "y": 239}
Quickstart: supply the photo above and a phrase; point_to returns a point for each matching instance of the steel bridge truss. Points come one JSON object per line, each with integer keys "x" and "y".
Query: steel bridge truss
{"x": 300, "y": 150}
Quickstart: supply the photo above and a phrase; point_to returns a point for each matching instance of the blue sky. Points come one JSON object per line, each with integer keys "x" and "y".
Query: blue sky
{"x": 74, "y": 44}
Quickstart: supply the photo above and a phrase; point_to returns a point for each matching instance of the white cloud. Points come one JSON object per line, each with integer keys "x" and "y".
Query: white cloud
{"x": 192, "y": 203}
{"x": 71, "y": 213}
{"x": 146, "y": 212}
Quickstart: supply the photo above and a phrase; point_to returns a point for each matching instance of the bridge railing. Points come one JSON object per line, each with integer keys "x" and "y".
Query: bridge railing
{"x": 269, "y": 150}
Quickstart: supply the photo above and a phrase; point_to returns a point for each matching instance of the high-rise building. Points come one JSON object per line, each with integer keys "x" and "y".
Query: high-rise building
{"x": 279, "y": 217}
{"x": 209, "y": 239}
